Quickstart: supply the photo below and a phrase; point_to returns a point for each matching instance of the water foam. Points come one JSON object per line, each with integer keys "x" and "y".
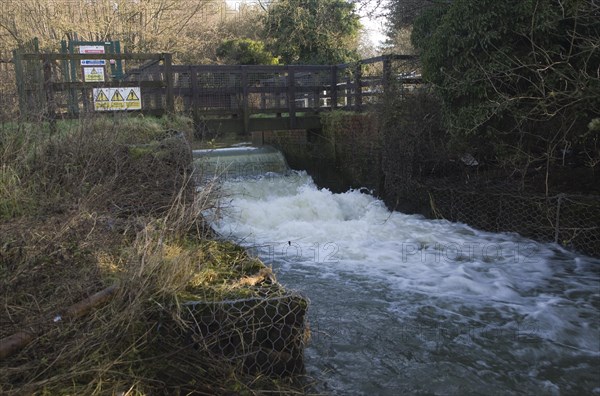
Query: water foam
{"x": 420, "y": 274}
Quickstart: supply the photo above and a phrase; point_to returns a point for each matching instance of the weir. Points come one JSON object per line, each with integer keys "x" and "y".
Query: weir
{"x": 241, "y": 161}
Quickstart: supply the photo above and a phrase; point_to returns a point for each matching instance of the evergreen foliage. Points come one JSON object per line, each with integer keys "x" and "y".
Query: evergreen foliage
{"x": 245, "y": 52}
{"x": 519, "y": 79}
{"x": 313, "y": 31}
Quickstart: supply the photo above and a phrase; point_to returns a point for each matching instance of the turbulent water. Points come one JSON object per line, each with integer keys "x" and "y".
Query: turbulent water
{"x": 405, "y": 305}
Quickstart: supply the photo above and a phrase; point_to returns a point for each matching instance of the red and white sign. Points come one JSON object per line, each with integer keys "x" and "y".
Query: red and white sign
{"x": 91, "y": 49}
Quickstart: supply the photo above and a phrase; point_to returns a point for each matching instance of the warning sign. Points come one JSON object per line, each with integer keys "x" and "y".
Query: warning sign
{"x": 117, "y": 97}
{"x": 113, "y": 99}
{"x": 101, "y": 101}
{"x": 101, "y": 97}
{"x": 93, "y": 74}
{"x": 117, "y": 102}
{"x": 92, "y": 49}
{"x": 133, "y": 100}
{"x": 132, "y": 95}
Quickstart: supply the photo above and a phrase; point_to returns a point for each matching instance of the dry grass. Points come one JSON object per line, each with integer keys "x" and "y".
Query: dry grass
{"x": 98, "y": 205}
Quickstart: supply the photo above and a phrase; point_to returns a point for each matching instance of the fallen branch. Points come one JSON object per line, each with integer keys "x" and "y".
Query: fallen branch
{"x": 14, "y": 343}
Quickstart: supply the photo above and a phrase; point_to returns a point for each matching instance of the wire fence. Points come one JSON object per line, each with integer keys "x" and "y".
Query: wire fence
{"x": 570, "y": 220}
{"x": 248, "y": 97}
{"x": 255, "y": 335}
{"x": 573, "y": 221}
{"x": 422, "y": 175}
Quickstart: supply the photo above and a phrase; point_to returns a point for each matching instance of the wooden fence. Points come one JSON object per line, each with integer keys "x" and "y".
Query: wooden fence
{"x": 240, "y": 98}
{"x": 8, "y": 93}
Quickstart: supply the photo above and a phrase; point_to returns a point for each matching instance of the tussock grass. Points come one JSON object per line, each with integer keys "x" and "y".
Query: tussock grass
{"x": 94, "y": 162}
{"x": 103, "y": 202}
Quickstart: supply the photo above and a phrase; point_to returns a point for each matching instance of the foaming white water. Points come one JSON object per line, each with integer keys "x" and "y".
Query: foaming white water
{"x": 427, "y": 276}
{"x": 431, "y": 256}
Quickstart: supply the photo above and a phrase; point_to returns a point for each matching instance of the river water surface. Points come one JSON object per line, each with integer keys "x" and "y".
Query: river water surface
{"x": 405, "y": 305}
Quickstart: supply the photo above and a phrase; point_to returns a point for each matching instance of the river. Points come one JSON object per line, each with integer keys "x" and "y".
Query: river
{"x": 405, "y": 305}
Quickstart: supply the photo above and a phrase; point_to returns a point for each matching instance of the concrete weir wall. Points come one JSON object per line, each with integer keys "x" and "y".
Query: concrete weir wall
{"x": 347, "y": 156}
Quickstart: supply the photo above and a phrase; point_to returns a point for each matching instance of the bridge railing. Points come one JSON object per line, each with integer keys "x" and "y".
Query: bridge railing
{"x": 239, "y": 94}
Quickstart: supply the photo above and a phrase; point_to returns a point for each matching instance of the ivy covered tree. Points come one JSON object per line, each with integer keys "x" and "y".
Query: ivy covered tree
{"x": 521, "y": 75}
{"x": 402, "y": 13}
{"x": 245, "y": 52}
{"x": 313, "y": 31}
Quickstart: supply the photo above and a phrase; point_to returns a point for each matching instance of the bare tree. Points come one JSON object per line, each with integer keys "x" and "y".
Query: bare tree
{"x": 179, "y": 26}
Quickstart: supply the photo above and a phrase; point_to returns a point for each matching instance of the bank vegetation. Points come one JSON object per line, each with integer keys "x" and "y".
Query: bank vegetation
{"x": 110, "y": 205}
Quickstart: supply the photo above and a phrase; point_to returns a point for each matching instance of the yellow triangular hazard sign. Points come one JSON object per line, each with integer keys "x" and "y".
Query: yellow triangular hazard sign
{"x": 93, "y": 71}
{"x": 101, "y": 97}
{"x": 132, "y": 95}
{"x": 116, "y": 96}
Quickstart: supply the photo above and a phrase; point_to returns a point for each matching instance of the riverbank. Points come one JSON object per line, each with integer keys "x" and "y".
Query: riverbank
{"x": 111, "y": 204}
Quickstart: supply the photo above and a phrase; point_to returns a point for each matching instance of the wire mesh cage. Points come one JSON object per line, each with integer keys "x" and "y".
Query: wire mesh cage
{"x": 255, "y": 335}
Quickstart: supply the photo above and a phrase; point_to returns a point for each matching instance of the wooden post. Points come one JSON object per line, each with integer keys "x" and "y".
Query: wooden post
{"x": 20, "y": 83}
{"x": 195, "y": 96}
{"x": 73, "y": 66}
{"x": 334, "y": 87}
{"x": 387, "y": 73}
{"x": 358, "y": 88}
{"x": 119, "y": 63}
{"x": 291, "y": 91}
{"x": 30, "y": 80}
{"x": 170, "y": 101}
{"x": 348, "y": 87}
{"x": 72, "y": 96}
{"x": 88, "y": 106}
{"x": 50, "y": 105}
{"x": 39, "y": 73}
{"x": 317, "y": 96}
{"x": 245, "y": 105}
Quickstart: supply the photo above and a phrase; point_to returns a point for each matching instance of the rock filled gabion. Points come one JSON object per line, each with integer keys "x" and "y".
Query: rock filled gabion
{"x": 256, "y": 335}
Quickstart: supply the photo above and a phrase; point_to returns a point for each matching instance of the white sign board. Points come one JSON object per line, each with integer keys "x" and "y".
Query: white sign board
{"x": 91, "y": 49}
{"x": 116, "y": 99}
{"x": 93, "y": 74}
{"x": 93, "y": 62}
